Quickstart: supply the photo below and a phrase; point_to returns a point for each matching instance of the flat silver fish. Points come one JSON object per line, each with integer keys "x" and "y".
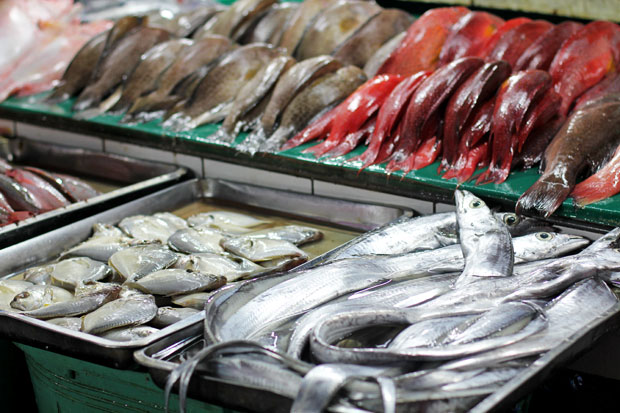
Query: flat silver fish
{"x": 174, "y": 281}
{"x": 261, "y": 249}
{"x": 9, "y": 289}
{"x": 196, "y": 240}
{"x": 78, "y": 305}
{"x": 229, "y": 266}
{"x": 194, "y": 300}
{"x": 294, "y": 234}
{"x": 39, "y": 296}
{"x": 122, "y": 312}
{"x": 136, "y": 262}
{"x": 72, "y": 272}
{"x": 220, "y": 219}
{"x": 129, "y": 333}
{"x": 167, "y": 316}
{"x": 156, "y": 227}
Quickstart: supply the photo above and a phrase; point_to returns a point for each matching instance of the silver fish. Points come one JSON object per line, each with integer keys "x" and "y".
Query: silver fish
{"x": 175, "y": 281}
{"x": 99, "y": 247}
{"x": 167, "y": 316}
{"x": 295, "y": 234}
{"x": 222, "y": 219}
{"x": 78, "y": 305}
{"x": 9, "y": 289}
{"x": 122, "y": 312}
{"x": 101, "y": 229}
{"x": 196, "y": 240}
{"x": 229, "y": 266}
{"x": 39, "y": 296}
{"x": 136, "y": 262}
{"x": 72, "y": 323}
{"x": 486, "y": 243}
{"x": 156, "y": 227}
{"x": 261, "y": 249}
{"x": 196, "y": 300}
{"x": 427, "y": 333}
{"x": 129, "y": 333}
{"x": 72, "y": 272}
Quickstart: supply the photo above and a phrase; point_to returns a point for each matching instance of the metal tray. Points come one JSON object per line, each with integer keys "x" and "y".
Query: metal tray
{"x": 17, "y": 327}
{"x": 212, "y": 390}
{"x": 132, "y": 177}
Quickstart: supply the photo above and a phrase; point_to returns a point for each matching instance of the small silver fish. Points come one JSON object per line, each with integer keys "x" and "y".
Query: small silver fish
{"x": 196, "y": 300}
{"x": 39, "y": 296}
{"x": 174, "y": 281}
{"x": 9, "y": 289}
{"x": 196, "y": 240}
{"x": 261, "y": 249}
{"x": 167, "y": 316}
{"x": 229, "y": 266}
{"x": 78, "y": 305}
{"x": 123, "y": 312}
{"x": 156, "y": 227}
{"x": 72, "y": 272}
{"x": 100, "y": 247}
{"x": 129, "y": 333}
{"x": 295, "y": 234}
{"x": 136, "y": 262}
{"x": 227, "y": 221}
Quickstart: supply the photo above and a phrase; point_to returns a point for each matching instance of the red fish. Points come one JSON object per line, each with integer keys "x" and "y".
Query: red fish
{"x": 469, "y": 160}
{"x": 609, "y": 85}
{"x": 472, "y": 94}
{"x": 515, "y": 99}
{"x": 430, "y": 141}
{"x": 515, "y": 41}
{"x": 426, "y": 102}
{"x": 422, "y": 44}
{"x": 427, "y": 153}
{"x": 540, "y": 53}
{"x": 469, "y": 36}
{"x": 603, "y": 184}
{"x": 351, "y": 141}
{"x": 40, "y": 189}
{"x": 500, "y": 32}
{"x": 390, "y": 114}
{"x": 356, "y": 109}
{"x": 314, "y": 130}
{"x": 584, "y": 60}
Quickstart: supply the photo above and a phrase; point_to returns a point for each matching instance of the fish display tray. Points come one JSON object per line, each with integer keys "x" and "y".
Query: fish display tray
{"x": 350, "y": 215}
{"x": 125, "y": 179}
{"x": 162, "y": 356}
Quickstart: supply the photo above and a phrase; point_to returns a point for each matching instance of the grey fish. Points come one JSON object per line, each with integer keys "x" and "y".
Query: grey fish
{"x": 294, "y": 29}
{"x": 39, "y": 296}
{"x": 380, "y": 56}
{"x": 156, "y": 227}
{"x": 18, "y": 196}
{"x": 122, "y": 312}
{"x": 72, "y": 272}
{"x": 229, "y": 266}
{"x": 333, "y": 26}
{"x": 144, "y": 78}
{"x": 200, "y": 54}
{"x": 226, "y": 221}
{"x": 72, "y": 323}
{"x": 319, "y": 95}
{"x": 271, "y": 26}
{"x": 196, "y": 240}
{"x": 136, "y": 262}
{"x": 229, "y": 22}
{"x": 129, "y": 333}
{"x": 174, "y": 281}
{"x": 294, "y": 234}
{"x": 369, "y": 37}
{"x": 118, "y": 64}
{"x": 251, "y": 95}
{"x": 486, "y": 243}
{"x": 261, "y": 249}
{"x": 213, "y": 97}
{"x": 167, "y": 316}
{"x": 78, "y": 305}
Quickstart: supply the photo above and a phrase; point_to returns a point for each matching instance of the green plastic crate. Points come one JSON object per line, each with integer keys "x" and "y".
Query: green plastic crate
{"x": 65, "y": 384}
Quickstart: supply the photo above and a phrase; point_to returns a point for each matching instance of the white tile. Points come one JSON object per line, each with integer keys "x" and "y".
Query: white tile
{"x": 7, "y": 127}
{"x": 193, "y": 163}
{"x": 356, "y": 194}
{"x": 440, "y": 207}
{"x": 232, "y": 172}
{"x": 141, "y": 152}
{"x": 60, "y": 137}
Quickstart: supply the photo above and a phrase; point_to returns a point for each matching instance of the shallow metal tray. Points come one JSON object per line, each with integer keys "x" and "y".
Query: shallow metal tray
{"x": 17, "y": 327}
{"x": 156, "y": 356}
{"x": 132, "y": 178}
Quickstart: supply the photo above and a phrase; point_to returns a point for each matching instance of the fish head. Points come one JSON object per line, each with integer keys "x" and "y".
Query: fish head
{"x": 470, "y": 210}
{"x": 519, "y": 225}
{"x": 610, "y": 240}
{"x": 543, "y": 244}
{"x": 24, "y": 301}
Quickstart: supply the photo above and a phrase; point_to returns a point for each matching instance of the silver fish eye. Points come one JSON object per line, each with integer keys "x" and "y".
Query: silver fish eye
{"x": 476, "y": 204}
{"x": 511, "y": 219}
{"x": 544, "y": 236}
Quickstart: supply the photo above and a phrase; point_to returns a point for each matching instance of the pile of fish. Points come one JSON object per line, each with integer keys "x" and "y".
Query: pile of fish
{"x": 155, "y": 270}
{"x": 26, "y": 191}
{"x": 431, "y": 313}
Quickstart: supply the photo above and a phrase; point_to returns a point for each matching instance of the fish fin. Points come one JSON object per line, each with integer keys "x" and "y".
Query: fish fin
{"x": 544, "y": 197}
{"x": 593, "y": 189}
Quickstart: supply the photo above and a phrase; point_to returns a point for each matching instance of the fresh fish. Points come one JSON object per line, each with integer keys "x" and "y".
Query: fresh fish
{"x": 156, "y": 227}
{"x": 184, "y": 23}
{"x": 603, "y": 184}
{"x": 78, "y": 305}
{"x": 118, "y": 64}
{"x": 324, "y": 92}
{"x": 381, "y": 55}
{"x": 47, "y": 196}
{"x": 145, "y": 77}
{"x": 167, "y": 316}
{"x": 486, "y": 243}
{"x": 514, "y": 42}
{"x": 39, "y": 296}
{"x": 72, "y": 272}
{"x": 174, "y": 281}
{"x": 224, "y": 220}
{"x": 99, "y": 248}
{"x": 232, "y": 20}
{"x": 136, "y": 262}
{"x": 427, "y": 333}
{"x": 261, "y": 249}
{"x": 196, "y": 240}
{"x": 72, "y": 323}
{"x": 101, "y": 229}
{"x": 294, "y": 30}
{"x": 9, "y": 289}
{"x": 229, "y": 266}
{"x": 588, "y": 137}
{"x": 71, "y": 188}
{"x": 270, "y": 27}
{"x": 20, "y": 198}
{"x": 541, "y": 52}
{"x": 295, "y": 234}
{"x": 196, "y": 300}
{"x": 129, "y": 333}
{"x": 201, "y": 53}
{"x": 214, "y": 95}
{"x": 333, "y": 26}
{"x": 122, "y": 312}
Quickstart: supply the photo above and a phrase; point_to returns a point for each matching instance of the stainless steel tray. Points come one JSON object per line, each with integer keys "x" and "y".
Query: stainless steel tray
{"x": 133, "y": 177}
{"x": 157, "y": 358}
{"x": 17, "y": 327}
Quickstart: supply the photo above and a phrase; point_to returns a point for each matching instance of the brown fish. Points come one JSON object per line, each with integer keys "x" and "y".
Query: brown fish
{"x": 362, "y": 44}
{"x": 231, "y": 20}
{"x": 271, "y": 26}
{"x": 381, "y": 55}
{"x": 251, "y": 95}
{"x": 333, "y": 26}
{"x": 585, "y": 141}
{"x": 192, "y": 58}
{"x": 186, "y": 23}
{"x": 145, "y": 77}
{"x": 118, "y": 64}
{"x": 213, "y": 97}
{"x": 294, "y": 30}
{"x": 205, "y": 30}
{"x": 320, "y": 95}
